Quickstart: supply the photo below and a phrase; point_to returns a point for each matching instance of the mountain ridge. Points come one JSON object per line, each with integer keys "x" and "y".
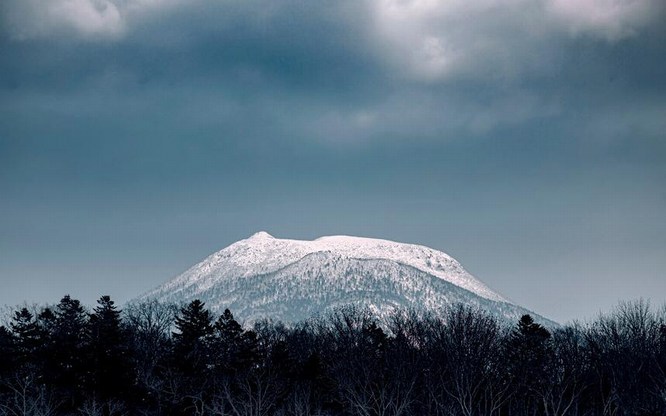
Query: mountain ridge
{"x": 263, "y": 276}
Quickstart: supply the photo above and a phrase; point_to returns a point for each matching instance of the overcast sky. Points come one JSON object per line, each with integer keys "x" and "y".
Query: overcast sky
{"x": 526, "y": 138}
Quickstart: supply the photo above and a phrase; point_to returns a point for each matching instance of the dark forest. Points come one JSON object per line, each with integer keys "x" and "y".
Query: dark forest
{"x": 159, "y": 359}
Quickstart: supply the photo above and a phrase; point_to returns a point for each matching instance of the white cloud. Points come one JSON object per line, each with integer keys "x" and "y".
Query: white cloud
{"x": 434, "y": 40}
{"x": 610, "y": 19}
{"x": 41, "y": 18}
{"x": 93, "y": 19}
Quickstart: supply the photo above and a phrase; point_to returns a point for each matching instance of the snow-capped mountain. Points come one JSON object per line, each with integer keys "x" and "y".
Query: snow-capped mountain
{"x": 291, "y": 280}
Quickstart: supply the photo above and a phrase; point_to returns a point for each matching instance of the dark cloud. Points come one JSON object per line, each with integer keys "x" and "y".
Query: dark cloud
{"x": 138, "y": 136}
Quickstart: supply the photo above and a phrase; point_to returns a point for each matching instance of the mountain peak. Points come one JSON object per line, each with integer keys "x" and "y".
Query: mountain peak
{"x": 260, "y": 235}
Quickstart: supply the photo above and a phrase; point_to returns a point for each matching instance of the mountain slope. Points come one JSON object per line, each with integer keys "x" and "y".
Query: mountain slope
{"x": 291, "y": 280}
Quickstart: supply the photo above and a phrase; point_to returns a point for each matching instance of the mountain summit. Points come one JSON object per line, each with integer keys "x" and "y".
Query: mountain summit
{"x": 291, "y": 280}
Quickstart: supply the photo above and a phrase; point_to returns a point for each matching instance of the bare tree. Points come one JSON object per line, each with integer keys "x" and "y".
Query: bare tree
{"x": 471, "y": 340}
{"x": 623, "y": 347}
{"x": 252, "y": 394}
{"x": 94, "y": 407}
{"x": 560, "y": 393}
{"x": 150, "y": 325}
{"x": 25, "y": 397}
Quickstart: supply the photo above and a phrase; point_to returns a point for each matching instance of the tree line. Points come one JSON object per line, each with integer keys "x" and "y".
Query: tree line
{"x": 160, "y": 359}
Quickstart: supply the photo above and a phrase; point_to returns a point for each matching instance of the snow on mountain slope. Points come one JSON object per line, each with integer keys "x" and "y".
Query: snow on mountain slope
{"x": 290, "y": 280}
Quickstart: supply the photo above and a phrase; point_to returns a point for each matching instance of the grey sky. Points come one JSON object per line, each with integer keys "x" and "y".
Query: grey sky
{"x": 524, "y": 138}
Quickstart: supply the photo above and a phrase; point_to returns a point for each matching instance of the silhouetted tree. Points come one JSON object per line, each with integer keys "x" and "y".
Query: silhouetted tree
{"x": 192, "y": 337}
{"x": 68, "y": 352}
{"x": 529, "y": 352}
{"x": 148, "y": 326}
{"x": 565, "y": 381}
{"x": 157, "y": 359}
{"x": 623, "y": 354}
{"x": 227, "y": 344}
{"x": 191, "y": 357}
{"x": 110, "y": 365}
{"x": 27, "y": 338}
{"x": 471, "y": 343}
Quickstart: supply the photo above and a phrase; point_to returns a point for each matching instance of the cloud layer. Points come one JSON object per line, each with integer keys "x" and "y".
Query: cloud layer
{"x": 428, "y": 39}
{"x": 519, "y": 133}
{"x": 351, "y": 70}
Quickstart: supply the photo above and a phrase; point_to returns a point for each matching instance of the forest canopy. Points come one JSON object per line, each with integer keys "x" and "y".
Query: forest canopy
{"x": 163, "y": 359}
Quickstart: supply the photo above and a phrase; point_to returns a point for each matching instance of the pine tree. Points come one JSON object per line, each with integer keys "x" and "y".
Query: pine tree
{"x": 529, "y": 342}
{"x": 45, "y": 355}
{"x": 194, "y": 328}
{"x": 227, "y": 328}
{"x": 46, "y": 322}
{"x": 191, "y": 355}
{"x": 109, "y": 354}
{"x": 69, "y": 351}
{"x": 529, "y": 352}
{"x": 227, "y": 342}
{"x": 27, "y": 338}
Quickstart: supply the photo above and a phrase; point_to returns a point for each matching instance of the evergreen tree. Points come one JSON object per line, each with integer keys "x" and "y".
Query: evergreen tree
{"x": 249, "y": 351}
{"x": 27, "y": 338}
{"x": 194, "y": 328}
{"x": 228, "y": 330}
{"x": 46, "y": 322}
{"x": 235, "y": 350}
{"x": 69, "y": 351}
{"x": 227, "y": 343}
{"x": 45, "y": 356}
{"x": 529, "y": 352}
{"x": 110, "y": 365}
{"x": 191, "y": 357}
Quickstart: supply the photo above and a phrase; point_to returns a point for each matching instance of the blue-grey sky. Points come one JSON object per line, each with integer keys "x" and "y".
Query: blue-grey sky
{"x": 525, "y": 138}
